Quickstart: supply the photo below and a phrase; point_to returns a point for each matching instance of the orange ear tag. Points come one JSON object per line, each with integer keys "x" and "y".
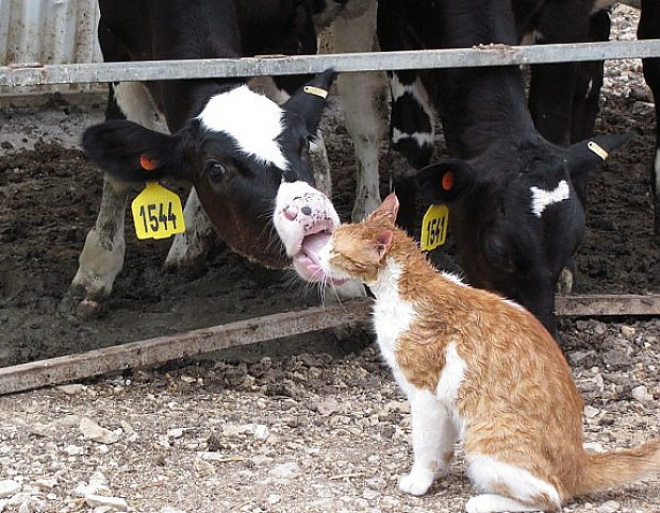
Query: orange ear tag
{"x": 157, "y": 212}
{"x": 148, "y": 164}
{"x": 448, "y": 181}
{"x": 434, "y": 227}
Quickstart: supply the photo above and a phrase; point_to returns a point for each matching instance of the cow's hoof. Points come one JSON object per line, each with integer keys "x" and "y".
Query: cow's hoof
{"x": 88, "y": 308}
{"x": 75, "y": 304}
{"x": 565, "y": 282}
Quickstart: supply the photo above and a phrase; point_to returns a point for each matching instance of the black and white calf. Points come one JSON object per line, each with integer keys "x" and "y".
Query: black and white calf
{"x": 515, "y": 212}
{"x": 352, "y": 28}
{"x": 246, "y": 156}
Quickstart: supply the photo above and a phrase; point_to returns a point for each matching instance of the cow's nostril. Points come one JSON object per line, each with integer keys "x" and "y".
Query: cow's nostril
{"x": 306, "y": 210}
{"x": 290, "y": 212}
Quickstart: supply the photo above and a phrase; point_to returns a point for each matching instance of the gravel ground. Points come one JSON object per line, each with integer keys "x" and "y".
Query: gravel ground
{"x": 303, "y": 433}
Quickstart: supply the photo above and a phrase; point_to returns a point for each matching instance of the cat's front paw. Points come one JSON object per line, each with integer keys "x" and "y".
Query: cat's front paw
{"x": 416, "y": 483}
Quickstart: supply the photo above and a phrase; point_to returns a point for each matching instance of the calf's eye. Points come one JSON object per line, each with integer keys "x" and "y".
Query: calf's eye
{"x": 215, "y": 170}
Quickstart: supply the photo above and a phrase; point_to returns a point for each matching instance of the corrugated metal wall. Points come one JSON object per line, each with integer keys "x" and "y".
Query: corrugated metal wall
{"x": 48, "y": 32}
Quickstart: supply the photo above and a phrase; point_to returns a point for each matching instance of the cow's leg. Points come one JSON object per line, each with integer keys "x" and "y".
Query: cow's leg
{"x": 649, "y": 28}
{"x": 318, "y": 155}
{"x": 102, "y": 257}
{"x": 412, "y": 132}
{"x": 552, "y": 86}
{"x": 362, "y": 95}
{"x": 191, "y": 246}
{"x": 589, "y": 82}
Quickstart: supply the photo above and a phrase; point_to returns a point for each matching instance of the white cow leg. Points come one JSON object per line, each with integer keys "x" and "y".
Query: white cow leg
{"x": 190, "y": 247}
{"x": 321, "y": 165}
{"x": 102, "y": 256}
{"x": 362, "y": 95}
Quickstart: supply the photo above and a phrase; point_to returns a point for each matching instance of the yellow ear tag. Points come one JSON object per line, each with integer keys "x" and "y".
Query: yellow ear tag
{"x": 434, "y": 227}
{"x": 316, "y": 91}
{"x": 157, "y": 213}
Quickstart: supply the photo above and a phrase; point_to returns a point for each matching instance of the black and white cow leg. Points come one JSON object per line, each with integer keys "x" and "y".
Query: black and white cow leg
{"x": 102, "y": 257}
{"x": 362, "y": 96}
{"x": 318, "y": 155}
{"x": 649, "y": 28}
{"x": 189, "y": 248}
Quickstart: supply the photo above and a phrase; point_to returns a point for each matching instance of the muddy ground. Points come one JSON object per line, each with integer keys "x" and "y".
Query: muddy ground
{"x": 49, "y": 198}
{"x": 309, "y": 424}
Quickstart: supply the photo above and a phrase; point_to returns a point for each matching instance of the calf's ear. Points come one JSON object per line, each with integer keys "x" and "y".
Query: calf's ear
{"x": 446, "y": 181}
{"x": 310, "y": 100}
{"x": 584, "y": 155}
{"x": 132, "y": 153}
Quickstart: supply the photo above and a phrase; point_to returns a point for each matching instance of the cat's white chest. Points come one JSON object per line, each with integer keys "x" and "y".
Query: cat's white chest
{"x": 392, "y": 315}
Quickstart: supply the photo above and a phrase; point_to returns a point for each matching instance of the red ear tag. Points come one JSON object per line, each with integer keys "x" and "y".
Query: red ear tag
{"x": 448, "y": 181}
{"x": 148, "y": 164}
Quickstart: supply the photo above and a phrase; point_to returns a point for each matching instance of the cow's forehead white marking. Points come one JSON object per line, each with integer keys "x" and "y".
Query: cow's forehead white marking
{"x": 251, "y": 119}
{"x": 541, "y": 198}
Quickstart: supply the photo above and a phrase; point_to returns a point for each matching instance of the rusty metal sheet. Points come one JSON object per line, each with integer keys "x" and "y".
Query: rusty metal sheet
{"x": 485, "y": 55}
{"x": 48, "y": 32}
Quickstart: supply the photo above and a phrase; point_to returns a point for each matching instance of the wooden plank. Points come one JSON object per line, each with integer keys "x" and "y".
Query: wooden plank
{"x": 608, "y": 305}
{"x": 163, "y": 349}
{"x": 159, "y": 350}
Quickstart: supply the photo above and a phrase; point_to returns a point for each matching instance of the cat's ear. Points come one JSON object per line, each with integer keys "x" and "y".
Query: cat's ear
{"x": 384, "y": 242}
{"x": 389, "y": 208}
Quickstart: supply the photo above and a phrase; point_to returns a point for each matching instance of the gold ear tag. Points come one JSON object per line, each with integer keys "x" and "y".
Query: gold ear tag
{"x": 316, "y": 91}
{"x": 157, "y": 212}
{"x": 434, "y": 227}
{"x": 598, "y": 150}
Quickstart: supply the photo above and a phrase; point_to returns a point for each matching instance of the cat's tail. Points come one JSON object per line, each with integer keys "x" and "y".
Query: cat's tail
{"x": 601, "y": 471}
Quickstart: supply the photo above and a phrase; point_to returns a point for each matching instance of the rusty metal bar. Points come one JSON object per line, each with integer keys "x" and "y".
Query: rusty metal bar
{"x": 163, "y": 349}
{"x": 30, "y": 74}
{"x": 607, "y": 305}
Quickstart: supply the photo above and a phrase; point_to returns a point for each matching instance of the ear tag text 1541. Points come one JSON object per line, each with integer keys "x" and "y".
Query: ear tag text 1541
{"x": 157, "y": 213}
{"x": 434, "y": 227}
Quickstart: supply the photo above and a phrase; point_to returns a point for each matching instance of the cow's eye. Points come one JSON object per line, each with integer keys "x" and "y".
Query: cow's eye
{"x": 215, "y": 170}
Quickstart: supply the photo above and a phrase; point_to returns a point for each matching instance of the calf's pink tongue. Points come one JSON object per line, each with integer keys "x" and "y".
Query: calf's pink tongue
{"x": 313, "y": 244}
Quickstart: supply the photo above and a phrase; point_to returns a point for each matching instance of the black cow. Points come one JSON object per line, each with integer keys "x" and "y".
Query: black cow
{"x": 649, "y": 28}
{"x": 563, "y": 97}
{"x": 246, "y": 156}
{"x": 514, "y": 210}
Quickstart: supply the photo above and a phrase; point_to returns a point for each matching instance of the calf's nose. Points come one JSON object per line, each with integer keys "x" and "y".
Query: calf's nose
{"x": 291, "y": 212}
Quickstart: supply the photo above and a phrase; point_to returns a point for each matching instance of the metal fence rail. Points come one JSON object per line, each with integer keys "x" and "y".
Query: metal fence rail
{"x": 488, "y": 55}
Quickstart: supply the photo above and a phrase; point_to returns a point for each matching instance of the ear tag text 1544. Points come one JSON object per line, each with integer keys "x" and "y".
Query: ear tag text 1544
{"x": 157, "y": 213}
{"x": 434, "y": 227}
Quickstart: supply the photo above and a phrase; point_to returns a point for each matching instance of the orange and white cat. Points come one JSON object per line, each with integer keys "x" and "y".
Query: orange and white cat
{"x": 478, "y": 368}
